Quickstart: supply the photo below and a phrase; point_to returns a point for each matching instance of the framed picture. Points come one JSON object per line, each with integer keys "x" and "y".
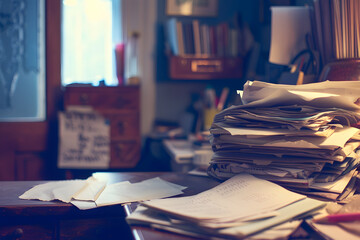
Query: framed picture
{"x": 205, "y": 8}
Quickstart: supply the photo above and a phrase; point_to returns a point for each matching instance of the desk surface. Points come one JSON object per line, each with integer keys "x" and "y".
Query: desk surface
{"x": 20, "y": 210}
{"x": 195, "y": 184}
{"x": 12, "y": 206}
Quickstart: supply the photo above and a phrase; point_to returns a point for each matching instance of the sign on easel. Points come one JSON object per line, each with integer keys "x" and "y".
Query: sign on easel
{"x": 84, "y": 140}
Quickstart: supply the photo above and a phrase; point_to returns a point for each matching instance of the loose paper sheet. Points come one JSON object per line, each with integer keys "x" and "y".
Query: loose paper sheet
{"x": 91, "y": 193}
{"x": 58, "y": 190}
{"x": 124, "y": 192}
{"x": 334, "y": 231}
{"x": 91, "y": 190}
{"x": 286, "y": 213}
{"x": 66, "y": 190}
{"x": 241, "y": 196}
{"x": 83, "y": 205}
{"x": 84, "y": 140}
{"x": 160, "y": 220}
{"x": 264, "y": 132}
{"x": 338, "y": 94}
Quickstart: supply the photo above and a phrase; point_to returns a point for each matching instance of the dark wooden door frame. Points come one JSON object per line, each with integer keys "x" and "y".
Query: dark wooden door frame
{"x": 41, "y": 137}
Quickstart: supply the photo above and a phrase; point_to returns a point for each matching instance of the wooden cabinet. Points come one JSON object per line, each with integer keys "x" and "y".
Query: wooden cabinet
{"x": 119, "y": 105}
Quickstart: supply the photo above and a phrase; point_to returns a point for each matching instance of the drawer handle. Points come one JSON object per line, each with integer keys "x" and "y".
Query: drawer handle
{"x": 16, "y": 234}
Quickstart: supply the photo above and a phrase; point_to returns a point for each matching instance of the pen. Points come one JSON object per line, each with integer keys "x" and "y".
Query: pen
{"x": 340, "y": 217}
{"x": 301, "y": 73}
{"x": 223, "y": 97}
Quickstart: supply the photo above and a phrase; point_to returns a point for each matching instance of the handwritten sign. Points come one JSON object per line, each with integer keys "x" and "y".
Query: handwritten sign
{"x": 84, "y": 140}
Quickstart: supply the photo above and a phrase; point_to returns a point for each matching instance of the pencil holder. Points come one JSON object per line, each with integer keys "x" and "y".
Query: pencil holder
{"x": 209, "y": 114}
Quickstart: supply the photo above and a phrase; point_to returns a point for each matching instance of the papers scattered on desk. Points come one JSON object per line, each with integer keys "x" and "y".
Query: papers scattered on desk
{"x": 124, "y": 192}
{"x": 338, "y": 230}
{"x": 66, "y": 190}
{"x": 304, "y": 137}
{"x": 91, "y": 193}
{"x": 240, "y": 197}
{"x": 239, "y": 207}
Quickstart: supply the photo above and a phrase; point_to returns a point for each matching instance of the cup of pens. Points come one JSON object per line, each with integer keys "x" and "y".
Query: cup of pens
{"x": 213, "y": 105}
{"x": 209, "y": 114}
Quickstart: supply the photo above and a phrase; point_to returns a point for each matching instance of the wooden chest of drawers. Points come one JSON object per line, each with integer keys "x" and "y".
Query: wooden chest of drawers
{"x": 119, "y": 105}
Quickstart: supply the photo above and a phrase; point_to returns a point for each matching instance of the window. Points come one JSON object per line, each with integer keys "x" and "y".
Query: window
{"x": 90, "y": 31}
{"x": 22, "y": 61}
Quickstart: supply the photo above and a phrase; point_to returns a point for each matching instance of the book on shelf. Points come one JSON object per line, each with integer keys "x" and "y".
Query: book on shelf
{"x": 337, "y": 29}
{"x": 213, "y": 42}
{"x": 172, "y": 35}
{"x": 180, "y": 37}
{"x": 196, "y": 34}
{"x": 188, "y": 38}
{"x": 205, "y": 41}
{"x": 327, "y": 27}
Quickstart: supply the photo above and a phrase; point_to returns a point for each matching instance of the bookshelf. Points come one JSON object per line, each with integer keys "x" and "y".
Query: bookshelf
{"x": 337, "y": 34}
{"x": 201, "y": 51}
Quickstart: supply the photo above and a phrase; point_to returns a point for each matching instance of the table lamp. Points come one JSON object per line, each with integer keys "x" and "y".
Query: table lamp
{"x": 289, "y": 27}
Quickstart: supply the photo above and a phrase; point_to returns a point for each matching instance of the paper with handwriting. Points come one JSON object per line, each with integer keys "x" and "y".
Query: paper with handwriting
{"x": 84, "y": 140}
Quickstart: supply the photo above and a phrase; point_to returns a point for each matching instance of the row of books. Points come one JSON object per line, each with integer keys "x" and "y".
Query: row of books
{"x": 193, "y": 38}
{"x": 337, "y": 25}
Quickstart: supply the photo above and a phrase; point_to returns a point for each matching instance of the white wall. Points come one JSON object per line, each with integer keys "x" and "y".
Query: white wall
{"x": 140, "y": 16}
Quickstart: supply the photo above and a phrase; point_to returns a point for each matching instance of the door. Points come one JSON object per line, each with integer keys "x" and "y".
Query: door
{"x": 28, "y": 149}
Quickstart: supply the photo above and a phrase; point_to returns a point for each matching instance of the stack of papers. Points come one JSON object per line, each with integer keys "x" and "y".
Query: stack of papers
{"x": 92, "y": 193}
{"x": 304, "y": 137}
{"x": 241, "y": 206}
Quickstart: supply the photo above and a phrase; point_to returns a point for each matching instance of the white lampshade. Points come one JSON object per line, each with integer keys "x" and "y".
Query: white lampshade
{"x": 289, "y": 26}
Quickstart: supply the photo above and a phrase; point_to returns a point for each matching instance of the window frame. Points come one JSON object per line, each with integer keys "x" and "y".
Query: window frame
{"x": 35, "y": 136}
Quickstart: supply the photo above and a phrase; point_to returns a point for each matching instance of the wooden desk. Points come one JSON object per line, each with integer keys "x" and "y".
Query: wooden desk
{"x": 196, "y": 184}
{"x": 57, "y": 220}
{"x": 33, "y": 219}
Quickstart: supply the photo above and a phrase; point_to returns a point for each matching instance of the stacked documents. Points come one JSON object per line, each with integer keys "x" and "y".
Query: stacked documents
{"x": 239, "y": 207}
{"x": 304, "y": 137}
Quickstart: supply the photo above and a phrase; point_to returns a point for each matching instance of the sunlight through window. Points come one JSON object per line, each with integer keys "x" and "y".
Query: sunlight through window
{"x": 90, "y": 31}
